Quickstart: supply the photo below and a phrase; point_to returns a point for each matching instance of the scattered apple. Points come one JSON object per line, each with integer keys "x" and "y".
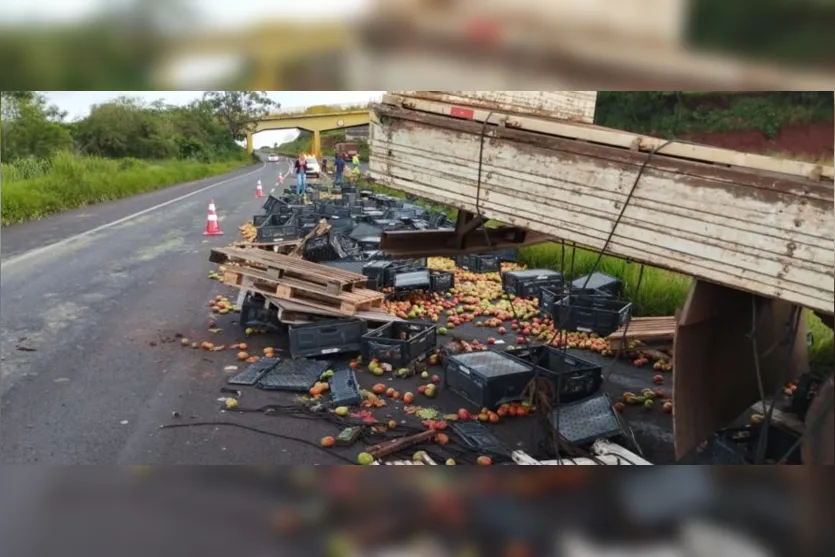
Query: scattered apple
{"x": 378, "y": 389}
{"x": 341, "y": 411}
{"x": 484, "y": 461}
{"x": 408, "y": 398}
{"x": 365, "y": 459}
{"x": 327, "y": 441}
{"x": 667, "y": 407}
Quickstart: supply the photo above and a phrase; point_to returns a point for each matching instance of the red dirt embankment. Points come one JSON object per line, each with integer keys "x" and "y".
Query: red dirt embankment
{"x": 807, "y": 141}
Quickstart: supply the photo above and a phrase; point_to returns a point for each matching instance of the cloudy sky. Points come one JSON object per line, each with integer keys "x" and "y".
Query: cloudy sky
{"x": 77, "y": 103}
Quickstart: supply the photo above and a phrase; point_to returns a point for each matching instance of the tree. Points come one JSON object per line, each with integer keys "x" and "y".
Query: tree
{"x": 239, "y": 110}
{"x": 31, "y": 127}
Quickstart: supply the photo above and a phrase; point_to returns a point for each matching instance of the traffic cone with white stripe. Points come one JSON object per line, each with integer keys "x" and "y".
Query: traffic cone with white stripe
{"x": 212, "y": 224}
{"x": 259, "y": 192}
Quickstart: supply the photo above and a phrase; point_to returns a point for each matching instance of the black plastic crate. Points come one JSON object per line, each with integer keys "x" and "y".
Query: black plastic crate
{"x": 258, "y": 220}
{"x": 254, "y": 372}
{"x": 344, "y": 245}
{"x": 342, "y": 225}
{"x": 319, "y": 250}
{"x": 527, "y": 283}
{"x": 398, "y": 266}
{"x": 479, "y": 263}
{"x": 547, "y": 298}
{"x": 349, "y": 198}
{"x": 273, "y": 205}
{"x": 329, "y": 209}
{"x": 478, "y": 438}
{"x": 278, "y": 227}
{"x": 293, "y": 375}
{"x": 587, "y": 420}
{"x": 441, "y": 281}
{"x": 487, "y": 378}
{"x": 412, "y": 279}
{"x": 400, "y": 343}
{"x": 336, "y": 336}
{"x": 577, "y": 378}
{"x": 350, "y": 266}
{"x": 598, "y": 283}
{"x": 591, "y": 314}
{"x": 507, "y": 254}
{"x": 376, "y": 269}
{"x": 344, "y": 388}
{"x": 257, "y": 313}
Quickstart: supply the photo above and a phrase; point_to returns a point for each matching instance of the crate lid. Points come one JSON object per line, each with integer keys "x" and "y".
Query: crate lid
{"x": 491, "y": 364}
{"x": 534, "y": 273}
{"x": 596, "y": 280}
{"x": 411, "y": 279}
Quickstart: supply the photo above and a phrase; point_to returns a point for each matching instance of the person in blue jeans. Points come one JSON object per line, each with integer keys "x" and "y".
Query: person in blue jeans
{"x": 301, "y": 175}
{"x": 339, "y": 166}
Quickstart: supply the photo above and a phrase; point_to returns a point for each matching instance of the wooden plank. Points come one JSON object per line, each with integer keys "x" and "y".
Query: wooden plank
{"x": 763, "y": 234}
{"x": 644, "y": 329}
{"x": 438, "y": 102}
{"x": 576, "y": 106}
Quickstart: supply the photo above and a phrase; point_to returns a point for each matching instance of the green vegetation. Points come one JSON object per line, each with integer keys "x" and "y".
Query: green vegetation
{"x": 123, "y": 147}
{"x": 671, "y": 114}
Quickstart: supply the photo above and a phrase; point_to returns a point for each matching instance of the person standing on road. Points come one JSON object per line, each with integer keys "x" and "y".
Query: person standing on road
{"x": 301, "y": 174}
{"x": 356, "y": 162}
{"x": 339, "y": 167}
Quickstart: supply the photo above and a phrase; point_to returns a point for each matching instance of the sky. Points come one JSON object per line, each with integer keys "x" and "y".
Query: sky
{"x": 77, "y": 104}
{"x": 205, "y": 13}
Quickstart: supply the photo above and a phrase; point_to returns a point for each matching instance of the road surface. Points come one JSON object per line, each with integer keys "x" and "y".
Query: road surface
{"x": 92, "y": 300}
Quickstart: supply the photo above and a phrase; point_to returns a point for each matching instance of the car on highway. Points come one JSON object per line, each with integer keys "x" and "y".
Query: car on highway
{"x": 312, "y": 167}
{"x": 272, "y": 158}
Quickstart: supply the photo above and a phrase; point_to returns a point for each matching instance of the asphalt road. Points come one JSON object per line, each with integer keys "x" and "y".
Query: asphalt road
{"x": 92, "y": 301}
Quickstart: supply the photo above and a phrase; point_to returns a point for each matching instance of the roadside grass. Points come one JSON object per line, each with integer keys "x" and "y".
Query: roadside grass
{"x": 661, "y": 292}
{"x": 33, "y": 189}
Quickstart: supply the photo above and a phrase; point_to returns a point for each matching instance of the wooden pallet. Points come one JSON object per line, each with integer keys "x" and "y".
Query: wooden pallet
{"x": 357, "y": 302}
{"x": 348, "y": 303}
{"x": 649, "y": 330}
{"x": 278, "y": 267}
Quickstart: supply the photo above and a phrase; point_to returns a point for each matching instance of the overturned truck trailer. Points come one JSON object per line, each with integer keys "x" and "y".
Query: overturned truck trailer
{"x": 755, "y": 232}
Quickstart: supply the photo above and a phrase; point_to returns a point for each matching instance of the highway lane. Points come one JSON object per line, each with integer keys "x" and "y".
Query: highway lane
{"x": 91, "y": 365}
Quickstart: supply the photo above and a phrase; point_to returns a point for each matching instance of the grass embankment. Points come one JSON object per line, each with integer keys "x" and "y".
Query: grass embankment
{"x": 33, "y": 189}
{"x": 660, "y": 293}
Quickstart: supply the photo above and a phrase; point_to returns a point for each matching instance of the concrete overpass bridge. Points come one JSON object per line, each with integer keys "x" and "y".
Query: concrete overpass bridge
{"x": 316, "y": 123}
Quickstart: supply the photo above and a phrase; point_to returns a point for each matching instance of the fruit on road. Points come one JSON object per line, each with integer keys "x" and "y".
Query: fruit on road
{"x": 619, "y": 406}
{"x": 463, "y": 414}
{"x": 658, "y": 379}
{"x": 484, "y": 461}
{"x": 378, "y": 389}
{"x": 648, "y": 403}
{"x": 424, "y": 375}
{"x": 442, "y": 438}
{"x": 327, "y": 441}
{"x": 667, "y": 407}
{"x": 450, "y": 462}
{"x": 365, "y": 459}
{"x": 341, "y": 411}
{"x": 242, "y": 356}
{"x": 231, "y": 403}
{"x": 408, "y": 398}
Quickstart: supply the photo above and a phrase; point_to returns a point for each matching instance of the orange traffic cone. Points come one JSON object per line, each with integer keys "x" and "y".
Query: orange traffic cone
{"x": 212, "y": 224}
{"x": 259, "y": 192}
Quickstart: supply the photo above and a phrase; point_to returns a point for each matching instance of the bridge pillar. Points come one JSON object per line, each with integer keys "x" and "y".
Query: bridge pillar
{"x": 317, "y": 144}
{"x": 249, "y": 147}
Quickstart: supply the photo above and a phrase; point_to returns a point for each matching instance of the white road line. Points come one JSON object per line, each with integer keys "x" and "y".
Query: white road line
{"x": 65, "y": 241}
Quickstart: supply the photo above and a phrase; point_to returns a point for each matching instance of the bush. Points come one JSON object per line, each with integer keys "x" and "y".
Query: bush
{"x": 34, "y": 189}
